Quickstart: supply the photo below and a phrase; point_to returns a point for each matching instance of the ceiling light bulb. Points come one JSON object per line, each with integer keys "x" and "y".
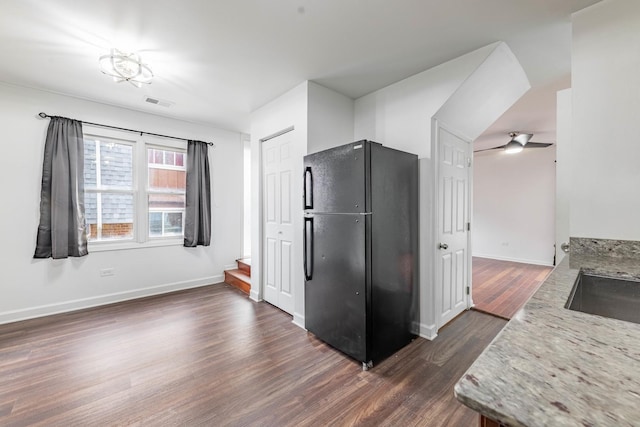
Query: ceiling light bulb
{"x": 513, "y": 147}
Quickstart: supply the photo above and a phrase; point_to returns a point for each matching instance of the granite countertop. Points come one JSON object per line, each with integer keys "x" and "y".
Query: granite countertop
{"x": 551, "y": 366}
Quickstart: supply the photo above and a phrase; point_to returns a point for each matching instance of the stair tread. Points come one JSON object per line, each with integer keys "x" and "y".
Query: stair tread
{"x": 238, "y": 279}
{"x": 245, "y": 260}
{"x": 239, "y": 274}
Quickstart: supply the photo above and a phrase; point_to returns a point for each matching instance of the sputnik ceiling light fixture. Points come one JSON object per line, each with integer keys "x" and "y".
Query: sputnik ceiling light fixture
{"x": 126, "y": 67}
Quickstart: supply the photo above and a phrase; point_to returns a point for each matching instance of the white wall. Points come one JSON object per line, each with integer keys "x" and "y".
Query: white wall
{"x": 514, "y": 205}
{"x": 288, "y": 110}
{"x": 37, "y": 287}
{"x": 330, "y": 119}
{"x": 493, "y": 87}
{"x": 400, "y": 115}
{"x": 605, "y": 186}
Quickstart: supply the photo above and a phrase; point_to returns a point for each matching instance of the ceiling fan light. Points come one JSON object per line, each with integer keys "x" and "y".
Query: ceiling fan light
{"x": 513, "y": 147}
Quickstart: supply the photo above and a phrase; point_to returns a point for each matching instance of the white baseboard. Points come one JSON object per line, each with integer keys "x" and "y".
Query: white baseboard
{"x": 429, "y": 332}
{"x": 79, "y": 304}
{"x": 254, "y": 295}
{"x": 523, "y": 261}
{"x": 298, "y": 320}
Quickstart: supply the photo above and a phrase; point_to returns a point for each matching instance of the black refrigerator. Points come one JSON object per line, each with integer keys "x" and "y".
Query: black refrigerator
{"x": 361, "y": 249}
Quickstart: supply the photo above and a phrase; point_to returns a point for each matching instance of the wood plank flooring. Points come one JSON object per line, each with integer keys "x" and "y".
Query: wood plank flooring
{"x": 210, "y": 356}
{"x": 501, "y": 288}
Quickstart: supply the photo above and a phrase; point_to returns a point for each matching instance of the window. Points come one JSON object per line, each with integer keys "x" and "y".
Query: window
{"x": 167, "y": 186}
{"x": 134, "y": 189}
{"x": 109, "y": 190}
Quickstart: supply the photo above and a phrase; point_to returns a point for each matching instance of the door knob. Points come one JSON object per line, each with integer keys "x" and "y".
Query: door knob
{"x": 443, "y": 246}
{"x": 565, "y": 247}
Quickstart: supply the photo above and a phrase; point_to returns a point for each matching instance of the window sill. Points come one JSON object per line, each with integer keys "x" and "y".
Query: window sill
{"x": 121, "y": 246}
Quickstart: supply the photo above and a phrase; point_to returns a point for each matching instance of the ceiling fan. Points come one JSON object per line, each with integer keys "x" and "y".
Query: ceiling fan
{"x": 518, "y": 142}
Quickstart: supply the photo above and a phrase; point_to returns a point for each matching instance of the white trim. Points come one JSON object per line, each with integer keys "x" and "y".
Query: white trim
{"x": 298, "y": 320}
{"x": 428, "y": 332}
{"x": 254, "y": 294}
{"x": 435, "y": 153}
{"x": 119, "y": 245}
{"x": 80, "y": 304}
{"x": 520, "y": 260}
{"x": 277, "y": 134}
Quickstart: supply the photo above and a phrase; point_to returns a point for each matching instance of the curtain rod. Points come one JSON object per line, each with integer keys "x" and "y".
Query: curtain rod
{"x": 45, "y": 115}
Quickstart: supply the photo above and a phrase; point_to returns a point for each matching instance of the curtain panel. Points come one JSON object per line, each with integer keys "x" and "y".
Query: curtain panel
{"x": 197, "y": 223}
{"x": 62, "y": 231}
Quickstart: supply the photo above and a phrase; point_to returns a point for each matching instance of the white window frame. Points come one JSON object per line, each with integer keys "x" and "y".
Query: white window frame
{"x": 141, "y": 191}
{"x": 171, "y": 147}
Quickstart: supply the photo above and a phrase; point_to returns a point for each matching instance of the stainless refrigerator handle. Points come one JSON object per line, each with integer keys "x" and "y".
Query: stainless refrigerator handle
{"x": 308, "y": 254}
{"x": 308, "y": 173}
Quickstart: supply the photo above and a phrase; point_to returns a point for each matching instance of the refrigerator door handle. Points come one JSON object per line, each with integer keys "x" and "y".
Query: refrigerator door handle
{"x": 308, "y": 248}
{"x": 308, "y": 179}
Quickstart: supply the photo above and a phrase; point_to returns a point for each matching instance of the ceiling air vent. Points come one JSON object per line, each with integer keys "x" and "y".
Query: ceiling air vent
{"x": 159, "y": 102}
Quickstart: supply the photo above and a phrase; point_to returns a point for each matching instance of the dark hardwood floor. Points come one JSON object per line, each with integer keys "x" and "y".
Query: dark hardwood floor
{"x": 501, "y": 288}
{"x": 211, "y": 356}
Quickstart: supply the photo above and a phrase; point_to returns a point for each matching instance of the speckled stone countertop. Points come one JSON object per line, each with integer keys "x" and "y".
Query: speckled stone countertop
{"x": 551, "y": 366}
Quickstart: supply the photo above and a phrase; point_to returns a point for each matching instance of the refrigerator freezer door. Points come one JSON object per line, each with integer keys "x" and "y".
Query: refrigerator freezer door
{"x": 335, "y": 179}
{"x": 335, "y": 297}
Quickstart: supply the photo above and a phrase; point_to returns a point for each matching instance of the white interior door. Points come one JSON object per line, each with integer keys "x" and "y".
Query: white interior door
{"x": 452, "y": 260}
{"x": 277, "y": 167}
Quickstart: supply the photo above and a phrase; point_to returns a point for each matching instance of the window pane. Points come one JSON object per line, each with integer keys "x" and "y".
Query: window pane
{"x": 173, "y": 223}
{"x": 155, "y": 224}
{"x": 150, "y": 155}
{"x": 169, "y": 158}
{"x": 91, "y": 213}
{"x": 170, "y": 176}
{"x": 116, "y": 165}
{"x": 90, "y": 167}
{"x": 167, "y": 179}
{"x": 157, "y": 157}
{"x": 179, "y": 159}
{"x": 166, "y": 202}
{"x": 109, "y": 216}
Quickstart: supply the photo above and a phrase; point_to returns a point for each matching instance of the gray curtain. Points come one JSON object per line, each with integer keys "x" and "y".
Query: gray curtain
{"x": 62, "y": 231}
{"x": 197, "y": 223}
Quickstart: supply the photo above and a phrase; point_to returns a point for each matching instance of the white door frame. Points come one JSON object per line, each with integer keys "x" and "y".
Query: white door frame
{"x": 259, "y": 295}
{"x": 435, "y": 155}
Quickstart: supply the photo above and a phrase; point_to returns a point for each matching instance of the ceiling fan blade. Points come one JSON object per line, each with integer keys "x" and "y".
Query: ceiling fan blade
{"x": 523, "y": 138}
{"x": 538, "y": 144}
{"x": 489, "y": 149}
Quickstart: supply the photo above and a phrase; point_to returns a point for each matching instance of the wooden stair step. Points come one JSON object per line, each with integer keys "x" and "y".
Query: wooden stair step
{"x": 238, "y": 279}
{"x": 244, "y": 264}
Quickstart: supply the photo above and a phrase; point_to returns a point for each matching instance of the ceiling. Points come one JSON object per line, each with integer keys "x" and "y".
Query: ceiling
{"x": 216, "y": 61}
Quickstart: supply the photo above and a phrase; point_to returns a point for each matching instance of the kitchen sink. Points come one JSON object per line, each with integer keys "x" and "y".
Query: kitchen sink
{"x": 606, "y": 296}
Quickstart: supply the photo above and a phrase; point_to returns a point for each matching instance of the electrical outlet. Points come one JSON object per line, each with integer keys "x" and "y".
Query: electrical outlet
{"x": 505, "y": 243}
{"x": 107, "y": 272}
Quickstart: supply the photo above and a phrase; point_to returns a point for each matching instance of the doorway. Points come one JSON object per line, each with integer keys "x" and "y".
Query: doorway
{"x": 513, "y": 227}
